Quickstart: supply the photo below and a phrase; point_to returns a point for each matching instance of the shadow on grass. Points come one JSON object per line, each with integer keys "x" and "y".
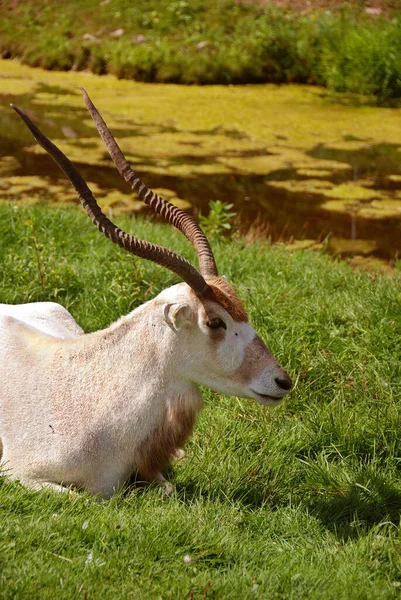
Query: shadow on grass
{"x": 355, "y": 511}
{"x": 250, "y": 494}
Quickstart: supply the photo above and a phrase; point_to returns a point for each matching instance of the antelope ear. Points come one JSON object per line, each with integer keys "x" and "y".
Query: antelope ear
{"x": 177, "y": 315}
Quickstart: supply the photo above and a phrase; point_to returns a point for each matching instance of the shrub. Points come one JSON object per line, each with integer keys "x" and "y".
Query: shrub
{"x": 222, "y": 42}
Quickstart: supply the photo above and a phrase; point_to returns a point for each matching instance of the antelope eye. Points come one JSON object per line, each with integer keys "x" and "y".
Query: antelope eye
{"x": 216, "y": 323}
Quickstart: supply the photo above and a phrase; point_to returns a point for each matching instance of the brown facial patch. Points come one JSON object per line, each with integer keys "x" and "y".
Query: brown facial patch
{"x": 217, "y": 335}
{"x": 250, "y": 366}
{"x": 156, "y": 451}
{"x": 223, "y": 293}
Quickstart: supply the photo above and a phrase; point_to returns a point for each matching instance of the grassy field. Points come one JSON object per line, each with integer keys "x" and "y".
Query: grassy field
{"x": 225, "y": 42}
{"x": 302, "y": 501}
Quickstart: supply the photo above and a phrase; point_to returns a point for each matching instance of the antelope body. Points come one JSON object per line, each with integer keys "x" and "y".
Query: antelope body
{"x": 93, "y": 409}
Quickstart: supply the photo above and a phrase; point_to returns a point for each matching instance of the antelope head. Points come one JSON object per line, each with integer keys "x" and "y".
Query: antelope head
{"x": 225, "y": 352}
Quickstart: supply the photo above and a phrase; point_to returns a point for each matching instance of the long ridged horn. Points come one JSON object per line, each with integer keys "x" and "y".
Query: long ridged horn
{"x": 174, "y": 215}
{"x": 158, "y": 254}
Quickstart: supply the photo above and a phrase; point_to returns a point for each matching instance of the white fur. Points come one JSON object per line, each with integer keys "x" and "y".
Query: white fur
{"x": 77, "y": 409}
{"x": 48, "y": 317}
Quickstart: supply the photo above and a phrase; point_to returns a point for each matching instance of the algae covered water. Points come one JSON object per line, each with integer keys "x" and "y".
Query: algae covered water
{"x": 298, "y": 163}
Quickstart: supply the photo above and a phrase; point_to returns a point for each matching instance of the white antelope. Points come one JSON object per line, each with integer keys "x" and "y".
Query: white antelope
{"x": 92, "y": 410}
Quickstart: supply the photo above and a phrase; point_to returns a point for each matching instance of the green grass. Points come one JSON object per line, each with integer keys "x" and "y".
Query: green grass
{"x": 224, "y": 42}
{"x": 301, "y": 501}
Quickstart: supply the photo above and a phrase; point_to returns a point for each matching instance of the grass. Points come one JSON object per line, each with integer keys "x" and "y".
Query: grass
{"x": 302, "y": 501}
{"x": 225, "y": 42}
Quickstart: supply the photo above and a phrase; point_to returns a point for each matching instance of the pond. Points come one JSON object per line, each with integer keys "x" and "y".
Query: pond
{"x": 299, "y": 164}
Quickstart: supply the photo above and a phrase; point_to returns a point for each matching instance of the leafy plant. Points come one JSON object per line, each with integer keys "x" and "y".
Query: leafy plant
{"x": 219, "y": 219}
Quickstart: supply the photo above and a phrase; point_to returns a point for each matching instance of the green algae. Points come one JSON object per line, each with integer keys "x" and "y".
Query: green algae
{"x": 289, "y": 151}
{"x": 305, "y": 172}
{"x": 348, "y": 246}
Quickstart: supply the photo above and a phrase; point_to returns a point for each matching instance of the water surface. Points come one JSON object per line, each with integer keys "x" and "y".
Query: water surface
{"x": 297, "y": 163}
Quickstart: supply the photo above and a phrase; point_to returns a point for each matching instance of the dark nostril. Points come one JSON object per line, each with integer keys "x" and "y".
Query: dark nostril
{"x": 284, "y": 383}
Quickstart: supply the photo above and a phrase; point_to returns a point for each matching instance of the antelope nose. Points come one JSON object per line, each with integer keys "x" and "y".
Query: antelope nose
{"x": 284, "y": 382}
